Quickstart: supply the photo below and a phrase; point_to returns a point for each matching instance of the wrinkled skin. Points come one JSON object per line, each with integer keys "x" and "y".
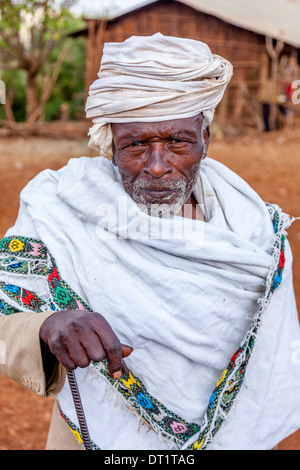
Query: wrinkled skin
{"x": 158, "y": 162}
{"x": 78, "y": 337}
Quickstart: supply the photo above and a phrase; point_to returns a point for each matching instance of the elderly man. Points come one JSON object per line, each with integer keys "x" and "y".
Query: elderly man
{"x": 155, "y": 273}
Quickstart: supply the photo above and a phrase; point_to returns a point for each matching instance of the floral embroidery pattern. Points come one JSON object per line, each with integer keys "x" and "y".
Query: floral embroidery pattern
{"x": 28, "y": 247}
{"x": 16, "y": 245}
{"x": 33, "y": 257}
{"x": 164, "y": 422}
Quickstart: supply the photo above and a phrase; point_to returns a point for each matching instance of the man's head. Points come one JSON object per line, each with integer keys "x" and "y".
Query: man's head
{"x": 154, "y": 79}
{"x": 159, "y": 161}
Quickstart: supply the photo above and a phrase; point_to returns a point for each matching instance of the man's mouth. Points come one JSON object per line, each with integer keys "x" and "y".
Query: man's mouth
{"x": 158, "y": 193}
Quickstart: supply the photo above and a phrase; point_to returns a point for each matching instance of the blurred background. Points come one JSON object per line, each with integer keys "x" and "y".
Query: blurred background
{"x": 50, "y": 52}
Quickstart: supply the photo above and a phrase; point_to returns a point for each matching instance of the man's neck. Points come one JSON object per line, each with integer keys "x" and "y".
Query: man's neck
{"x": 191, "y": 209}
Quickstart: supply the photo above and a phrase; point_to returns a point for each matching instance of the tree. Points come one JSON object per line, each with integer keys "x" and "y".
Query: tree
{"x": 29, "y": 33}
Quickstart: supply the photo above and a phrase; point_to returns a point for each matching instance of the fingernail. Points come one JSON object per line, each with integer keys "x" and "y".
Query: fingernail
{"x": 117, "y": 375}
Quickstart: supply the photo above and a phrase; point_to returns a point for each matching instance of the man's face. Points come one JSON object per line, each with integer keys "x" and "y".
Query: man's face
{"x": 159, "y": 161}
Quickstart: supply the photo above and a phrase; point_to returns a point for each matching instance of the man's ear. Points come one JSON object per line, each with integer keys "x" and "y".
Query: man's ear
{"x": 113, "y": 158}
{"x": 205, "y": 138}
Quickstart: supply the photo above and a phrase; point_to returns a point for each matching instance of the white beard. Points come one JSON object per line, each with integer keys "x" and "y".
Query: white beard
{"x": 164, "y": 209}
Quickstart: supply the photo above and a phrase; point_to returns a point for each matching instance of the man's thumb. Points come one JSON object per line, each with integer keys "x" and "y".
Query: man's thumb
{"x": 126, "y": 350}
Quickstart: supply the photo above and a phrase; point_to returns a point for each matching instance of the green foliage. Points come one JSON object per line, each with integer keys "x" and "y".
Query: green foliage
{"x": 48, "y": 31}
{"x": 54, "y": 13}
{"x": 15, "y": 82}
{"x": 70, "y": 85}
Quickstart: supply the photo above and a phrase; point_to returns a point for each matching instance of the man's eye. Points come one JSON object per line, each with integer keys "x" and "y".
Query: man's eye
{"x": 136, "y": 143}
{"x": 174, "y": 140}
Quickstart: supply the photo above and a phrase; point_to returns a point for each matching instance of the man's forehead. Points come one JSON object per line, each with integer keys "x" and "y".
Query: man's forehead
{"x": 138, "y": 129}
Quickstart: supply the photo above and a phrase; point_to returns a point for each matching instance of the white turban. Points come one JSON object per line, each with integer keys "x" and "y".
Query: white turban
{"x": 156, "y": 78}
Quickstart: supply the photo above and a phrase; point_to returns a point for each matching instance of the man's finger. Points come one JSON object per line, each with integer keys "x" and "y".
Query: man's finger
{"x": 62, "y": 355}
{"x": 114, "y": 359}
{"x": 78, "y": 355}
{"x": 126, "y": 350}
{"x": 111, "y": 345}
{"x": 93, "y": 347}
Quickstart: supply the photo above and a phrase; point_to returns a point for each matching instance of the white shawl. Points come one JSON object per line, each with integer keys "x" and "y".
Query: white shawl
{"x": 184, "y": 304}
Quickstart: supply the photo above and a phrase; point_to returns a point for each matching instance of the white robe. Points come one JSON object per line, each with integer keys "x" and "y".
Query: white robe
{"x": 184, "y": 303}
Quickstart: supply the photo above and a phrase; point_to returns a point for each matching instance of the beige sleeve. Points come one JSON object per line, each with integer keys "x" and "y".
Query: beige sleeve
{"x": 21, "y": 356}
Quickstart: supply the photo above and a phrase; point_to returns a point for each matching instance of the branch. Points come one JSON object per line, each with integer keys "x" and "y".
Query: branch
{"x": 279, "y": 46}
{"x": 274, "y": 54}
{"x": 55, "y": 73}
{"x": 49, "y": 83}
{"x": 7, "y": 57}
{"x": 274, "y": 51}
{"x": 15, "y": 49}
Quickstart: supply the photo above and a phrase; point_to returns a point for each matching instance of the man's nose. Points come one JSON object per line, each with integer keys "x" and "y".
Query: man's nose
{"x": 157, "y": 164}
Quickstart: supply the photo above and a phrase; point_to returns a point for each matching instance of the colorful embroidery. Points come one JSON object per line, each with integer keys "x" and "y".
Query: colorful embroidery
{"x": 230, "y": 382}
{"x": 16, "y": 245}
{"x": 13, "y": 264}
{"x": 33, "y": 258}
{"x": 76, "y": 430}
{"x": 7, "y": 309}
{"x": 163, "y": 421}
{"x": 22, "y": 255}
{"x": 22, "y": 297}
{"x": 27, "y": 247}
{"x": 277, "y": 277}
{"x": 63, "y": 296}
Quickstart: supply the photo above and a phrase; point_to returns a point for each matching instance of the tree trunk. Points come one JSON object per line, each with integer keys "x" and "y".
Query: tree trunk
{"x": 32, "y": 99}
{"x": 9, "y": 107}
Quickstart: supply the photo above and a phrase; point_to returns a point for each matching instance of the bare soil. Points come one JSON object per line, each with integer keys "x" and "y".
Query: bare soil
{"x": 269, "y": 162}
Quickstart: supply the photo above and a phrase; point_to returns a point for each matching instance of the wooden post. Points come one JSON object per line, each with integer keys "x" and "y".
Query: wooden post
{"x": 99, "y": 43}
{"x": 274, "y": 52}
{"x": 95, "y": 43}
{"x": 239, "y": 99}
{"x": 222, "y": 110}
{"x": 89, "y": 54}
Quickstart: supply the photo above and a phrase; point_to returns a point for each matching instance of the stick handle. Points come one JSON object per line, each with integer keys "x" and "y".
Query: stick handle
{"x": 79, "y": 410}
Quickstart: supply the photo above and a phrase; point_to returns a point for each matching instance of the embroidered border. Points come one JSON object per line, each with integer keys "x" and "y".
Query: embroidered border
{"x": 27, "y": 247}
{"x": 230, "y": 381}
{"x": 64, "y": 298}
{"x": 7, "y": 309}
{"x": 22, "y": 297}
{"x": 76, "y": 430}
{"x": 164, "y": 422}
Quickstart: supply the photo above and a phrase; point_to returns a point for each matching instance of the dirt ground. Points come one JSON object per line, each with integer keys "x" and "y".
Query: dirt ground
{"x": 270, "y": 163}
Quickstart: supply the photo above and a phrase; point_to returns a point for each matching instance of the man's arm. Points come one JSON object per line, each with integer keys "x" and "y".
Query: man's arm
{"x": 24, "y": 358}
{"x": 37, "y": 348}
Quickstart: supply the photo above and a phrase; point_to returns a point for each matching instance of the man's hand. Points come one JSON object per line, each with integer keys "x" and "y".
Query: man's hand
{"x": 78, "y": 337}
